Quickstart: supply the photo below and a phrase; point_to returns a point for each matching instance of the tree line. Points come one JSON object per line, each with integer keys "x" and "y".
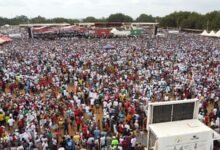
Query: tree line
{"x": 181, "y": 19}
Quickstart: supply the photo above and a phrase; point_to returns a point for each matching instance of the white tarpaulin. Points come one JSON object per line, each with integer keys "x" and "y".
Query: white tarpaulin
{"x": 173, "y": 31}
{"x": 116, "y": 32}
{"x": 15, "y": 35}
{"x": 161, "y": 34}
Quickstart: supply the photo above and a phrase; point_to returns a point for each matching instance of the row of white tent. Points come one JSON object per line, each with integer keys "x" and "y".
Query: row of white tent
{"x": 211, "y": 34}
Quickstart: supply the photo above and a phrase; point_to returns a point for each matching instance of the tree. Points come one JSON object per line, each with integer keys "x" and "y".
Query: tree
{"x": 212, "y": 20}
{"x": 72, "y": 21}
{"x": 18, "y": 20}
{"x": 102, "y": 19}
{"x": 119, "y": 17}
{"x": 3, "y": 21}
{"x": 168, "y": 21}
{"x": 183, "y": 19}
{"x": 59, "y": 20}
{"x": 39, "y": 19}
{"x": 90, "y": 19}
{"x": 145, "y": 18}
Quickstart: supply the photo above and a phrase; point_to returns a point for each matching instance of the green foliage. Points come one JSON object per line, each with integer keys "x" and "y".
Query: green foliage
{"x": 119, "y": 17}
{"x": 39, "y": 19}
{"x": 102, "y": 19}
{"x": 145, "y": 18}
{"x": 3, "y": 21}
{"x": 90, "y": 19}
{"x": 192, "y": 20}
{"x": 213, "y": 20}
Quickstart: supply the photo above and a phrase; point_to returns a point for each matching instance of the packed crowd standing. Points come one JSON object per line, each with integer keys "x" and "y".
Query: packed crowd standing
{"x": 54, "y": 92}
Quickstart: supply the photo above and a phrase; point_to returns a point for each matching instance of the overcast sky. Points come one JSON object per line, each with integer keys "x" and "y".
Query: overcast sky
{"x": 102, "y": 8}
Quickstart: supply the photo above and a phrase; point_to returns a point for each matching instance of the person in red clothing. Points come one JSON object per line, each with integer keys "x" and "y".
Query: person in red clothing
{"x": 1, "y": 84}
{"x": 206, "y": 121}
{"x": 78, "y": 122}
{"x": 211, "y": 116}
{"x": 85, "y": 131}
{"x": 131, "y": 110}
{"x": 20, "y": 124}
{"x": 2, "y": 130}
{"x": 125, "y": 143}
{"x": 77, "y": 111}
{"x": 126, "y": 105}
{"x": 117, "y": 96}
{"x": 120, "y": 127}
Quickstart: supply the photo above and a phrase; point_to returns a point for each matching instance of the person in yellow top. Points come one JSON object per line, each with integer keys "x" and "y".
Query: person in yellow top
{"x": 7, "y": 118}
{"x": 18, "y": 78}
{"x": 80, "y": 82}
{"x": 76, "y": 138}
{"x": 2, "y": 118}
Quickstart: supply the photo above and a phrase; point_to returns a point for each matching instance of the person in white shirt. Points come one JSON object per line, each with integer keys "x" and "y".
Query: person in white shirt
{"x": 127, "y": 126}
{"x": 54, "y": 142}
{"x": 44, "y": 145}
{"x": 115, "y": 103}
{"x": 92, "y": 101}
{"x": 105, "y": 104}
{"x": 213, "y": 124}
{"x": 215, "y": 111}
{"x": 21, "y": 147}
{"x": 11, "y": 123}
{"x": 133, "y": 142}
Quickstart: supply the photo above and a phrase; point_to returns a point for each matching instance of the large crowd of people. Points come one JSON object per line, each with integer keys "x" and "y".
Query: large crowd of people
{"x": 74, "y": 94}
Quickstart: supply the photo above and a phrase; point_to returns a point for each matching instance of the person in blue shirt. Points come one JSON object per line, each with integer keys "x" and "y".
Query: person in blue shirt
{"x": 96, "y": 133}
{"x": 70, "y": 144}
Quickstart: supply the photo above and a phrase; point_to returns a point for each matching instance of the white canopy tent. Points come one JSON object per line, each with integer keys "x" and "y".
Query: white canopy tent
{"x": 217, "y": 34}
{"x": 212, "y": 34}
{"x": 114, "y": 30}
{"x": 205, "y": 33}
